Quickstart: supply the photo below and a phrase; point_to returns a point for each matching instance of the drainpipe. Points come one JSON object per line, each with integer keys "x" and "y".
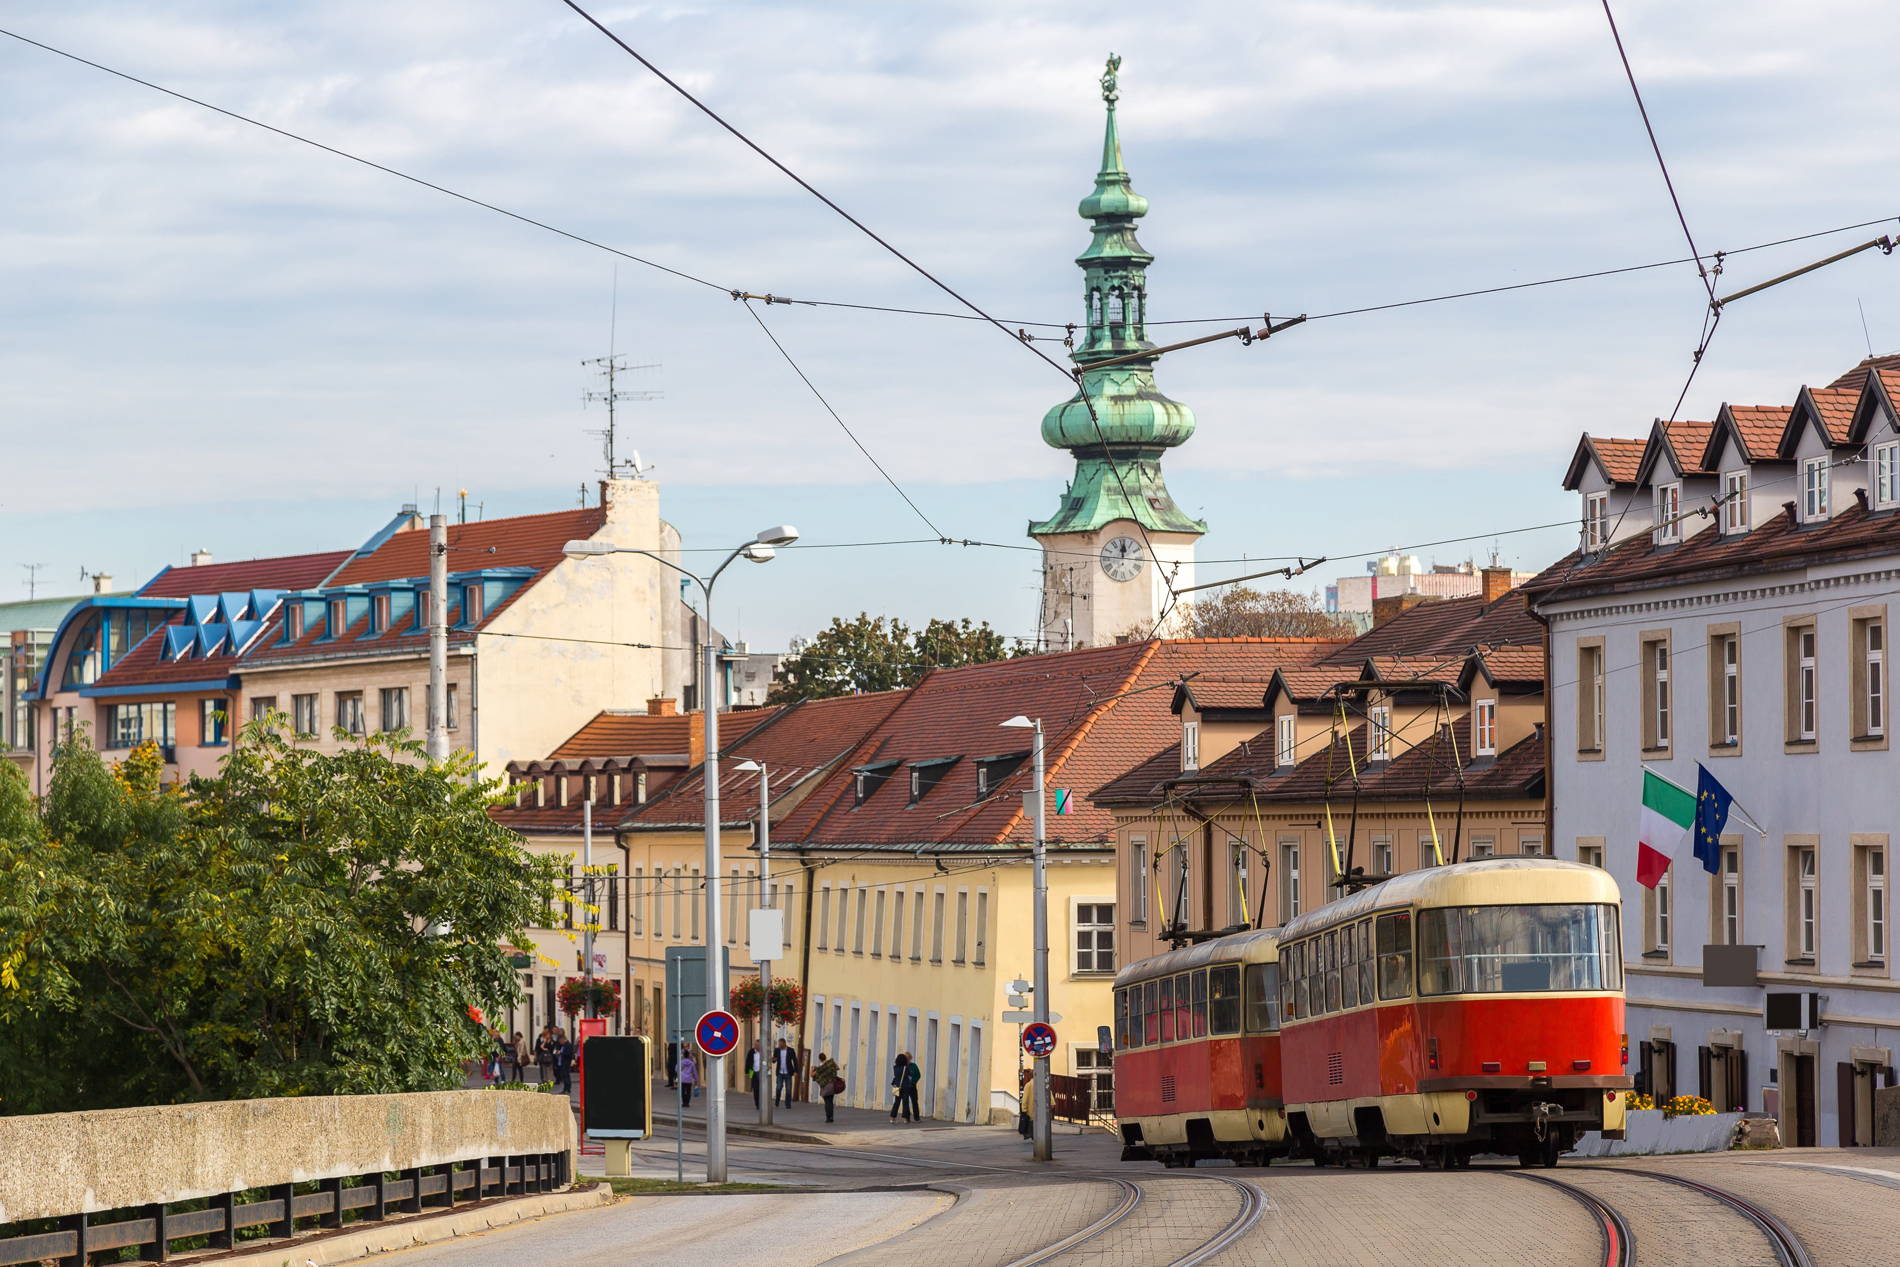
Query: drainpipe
{"x": 804, "y": 955}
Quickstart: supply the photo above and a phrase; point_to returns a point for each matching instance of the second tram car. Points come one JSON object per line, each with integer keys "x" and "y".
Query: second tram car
{"x": 1197, "y": 1052}
{"x": 1476, "y": 1007}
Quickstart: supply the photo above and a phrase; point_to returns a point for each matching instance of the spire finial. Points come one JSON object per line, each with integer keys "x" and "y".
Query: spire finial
{"x": 1110, "y": 93}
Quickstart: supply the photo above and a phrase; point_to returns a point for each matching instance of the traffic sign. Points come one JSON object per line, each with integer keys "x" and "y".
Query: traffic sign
{"x": 1039, "y": 1039}
{"x": 717, "y": 1033}
{"x": 1025, "y": 1016}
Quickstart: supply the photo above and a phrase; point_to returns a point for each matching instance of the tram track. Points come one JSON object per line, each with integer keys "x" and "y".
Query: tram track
{"x": 1619, "y": 1245}
{"x": 1787, "y": 1247}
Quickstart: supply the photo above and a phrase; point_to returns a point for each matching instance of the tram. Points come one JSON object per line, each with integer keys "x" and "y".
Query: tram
{"x": 1197, "y": 1053}
{"x": 1469, "y": 1008}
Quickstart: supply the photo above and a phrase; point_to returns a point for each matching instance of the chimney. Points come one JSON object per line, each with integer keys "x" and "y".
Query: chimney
{"x": 1387, "y": 606}
{"x": 663, "y": 706}
{"x": 200, "y": 558}
{"x": 1497, "y": 583}
{"x": 102, "y": 582}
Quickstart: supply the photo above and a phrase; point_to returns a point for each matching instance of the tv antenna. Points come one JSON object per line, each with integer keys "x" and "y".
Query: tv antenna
{"x": 32, "y": 578}
{"x": 610, "y": 368}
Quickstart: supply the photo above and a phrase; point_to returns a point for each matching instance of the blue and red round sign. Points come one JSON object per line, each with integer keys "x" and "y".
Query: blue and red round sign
{"x": 1039, "y": 1039}
{"x": 717, "y": 1033}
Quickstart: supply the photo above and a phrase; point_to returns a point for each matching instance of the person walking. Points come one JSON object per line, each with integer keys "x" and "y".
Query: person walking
{"x": 544, "y": 1054}
{"x": 688, "y": 1072}
{"x": 516, "y": 1058}
{"x": 564, "y": 1061}
{"x": 907, "y": 1094}
{"x": 755, "y": 1074}
{"x": 830, "y": 1085}
{"x": 672, "y": 1065}
{"x": 897, "y": 1083}
{"x": 785, "y": 1069}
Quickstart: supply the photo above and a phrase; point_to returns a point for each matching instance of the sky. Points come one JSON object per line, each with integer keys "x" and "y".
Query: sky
{"x": 217, "y": 338}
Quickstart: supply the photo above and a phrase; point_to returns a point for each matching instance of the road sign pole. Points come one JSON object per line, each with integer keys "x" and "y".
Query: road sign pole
{"x": 679, "y": 1110}
{"x": 1043, "y": 1125}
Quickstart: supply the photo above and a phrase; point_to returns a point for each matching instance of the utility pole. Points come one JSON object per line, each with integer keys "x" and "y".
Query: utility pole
{"x": 715, "y": 927}
{"x": 768, "y": 1062}
{"x": 1044, "y": 1131}
{"x": 438, "y": 738}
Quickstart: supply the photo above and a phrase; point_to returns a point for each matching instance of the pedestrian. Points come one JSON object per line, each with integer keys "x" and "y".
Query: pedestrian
{"x": 785, "y": 1067}
{"x": 1025, "y": 1126}
{"x": 897, "y": 1083}
{"x": 564, "y": 1061}
{"x": 755, "y": 1073}
{"x": 516, "y": 1056}
{"x": 544, "y": 1054}
{"x": 688, "y": 1076}
{"x": 830, "y": 1085}
{"x": 907, "y": 1094}
{"x": 672, "y": 1065}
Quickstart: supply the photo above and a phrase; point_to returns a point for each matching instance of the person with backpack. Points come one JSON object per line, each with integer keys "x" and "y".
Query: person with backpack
{"x": 897, "y": 1083}
{"x": 830, "y": 1085}
{"x": 688, "y": 1075}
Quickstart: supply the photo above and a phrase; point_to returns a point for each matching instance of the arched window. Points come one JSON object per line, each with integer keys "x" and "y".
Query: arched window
{"x": 1115, "y": 308}
{"x": 1095, "y": 307}
{"x": 1135, "y": 307}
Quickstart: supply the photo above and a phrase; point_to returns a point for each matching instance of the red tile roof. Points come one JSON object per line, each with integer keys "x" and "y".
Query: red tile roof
{"x": 1619, "y": 458}
{"x": 1448, "y": 627}
{"x": 1099, "y": 715}
{"x": 1218, "y": 691}
{"x": 1836, "y": 408}
{"x": 1759, "y": 429}
{"x": 142, "y": 665}
{"x": 1856, "y": 378}
{"x": 1688, "y": 440}
{"x": 1776, "y": 545}
{"x": 286, "y": 572}
{"x": 621, "y": 734}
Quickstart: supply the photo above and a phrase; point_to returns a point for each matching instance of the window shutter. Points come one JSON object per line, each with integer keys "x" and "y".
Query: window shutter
{"x": 1844, "y": 1103}
{"x": 1704, "y": 1072}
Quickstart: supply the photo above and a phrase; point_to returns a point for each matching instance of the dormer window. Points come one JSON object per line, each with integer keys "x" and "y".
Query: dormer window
{"x": 293, "y": 620}
{"x": 1887, "y": 474}
{"x": 991, "y": 771}
{"x": 422, "y": 609}
{"x": 925, "y": 775}
{"x": 1484, "y": 725}
{"x": 338, "y": 618}
{"x": 1596, "y": 520}
{"x": 1735, "y": 501}
{"x": 1190, "y": 745}
{"x": 471, "y": 604}
{"x": 869, "y": 778}
{"x": 1379, "y": 732}
{"x": 1814, "y": 490}
{"x": 1668, "y": 514}
{"x": 379, "y": 613}
{"x": 1286, "y": 729}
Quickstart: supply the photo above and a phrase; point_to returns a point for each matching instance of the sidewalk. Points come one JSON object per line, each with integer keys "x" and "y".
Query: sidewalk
{"x": 805, "y": 1123}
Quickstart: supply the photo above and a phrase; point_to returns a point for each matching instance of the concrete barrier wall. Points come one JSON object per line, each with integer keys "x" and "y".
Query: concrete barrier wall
{"x": 72, "y": 1163}
{"x": 1647, "y": 1131}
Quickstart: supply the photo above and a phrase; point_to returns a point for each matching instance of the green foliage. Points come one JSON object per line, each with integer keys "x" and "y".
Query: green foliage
{"x": 879, "y": 654}
{"x": 1242, "y": 612}
{"x": 302, "y": 924}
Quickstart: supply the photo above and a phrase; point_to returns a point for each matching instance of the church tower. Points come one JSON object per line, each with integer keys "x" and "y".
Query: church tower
{"x": 1117, "y": 542}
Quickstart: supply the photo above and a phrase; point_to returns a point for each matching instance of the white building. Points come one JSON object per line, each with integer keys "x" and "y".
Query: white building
{"x": 1397, "y": 573}
{"x": 1737, "y": 616}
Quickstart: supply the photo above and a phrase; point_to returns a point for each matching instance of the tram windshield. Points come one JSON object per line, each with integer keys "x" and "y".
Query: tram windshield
{"x": 1507, "y": 949}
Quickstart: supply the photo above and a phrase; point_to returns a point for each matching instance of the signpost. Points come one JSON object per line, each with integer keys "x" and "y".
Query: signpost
{"x": 1039, "y": 1039}
{"x": 616, "y": 1101}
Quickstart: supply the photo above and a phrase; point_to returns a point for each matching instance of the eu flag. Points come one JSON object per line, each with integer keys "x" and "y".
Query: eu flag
{"x": 1711, "y": 816}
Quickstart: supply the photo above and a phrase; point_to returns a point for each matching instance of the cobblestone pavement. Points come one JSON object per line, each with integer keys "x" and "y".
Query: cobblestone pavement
{"x": 994, "y": 1223}
{"x": 1672, "y": 1225}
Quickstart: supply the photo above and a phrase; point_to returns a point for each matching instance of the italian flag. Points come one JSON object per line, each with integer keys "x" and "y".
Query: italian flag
{"x": 1668, "y": 814}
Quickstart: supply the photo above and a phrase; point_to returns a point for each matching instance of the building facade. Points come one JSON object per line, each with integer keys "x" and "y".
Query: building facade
{"x": 1118, "y": 545}
{"x": 1743, "y": 628}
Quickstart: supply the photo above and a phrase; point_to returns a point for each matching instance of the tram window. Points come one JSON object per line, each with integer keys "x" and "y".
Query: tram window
{"x": 1182, "y": 1025}
{"x": 1332, "y": 969}
{"x": 1150, "y": 1014}
{"x": 1199, "y": 980}
{"x": 1223, "y": 999}
{"x": 1167, "y": 1010}
{"x": 1349, "y": 966}
{"x": 1286, "y": 982}
{"x": 1303, "y": 995}
{"x": 1512, "y": 949}
{"x": 1395, "y": 955}
{"x": 1266, "y": 997}
{"x": 1137, "y": 1014}
{"x": 1121, "y": 1019}
{"x": 1365, "y": 961}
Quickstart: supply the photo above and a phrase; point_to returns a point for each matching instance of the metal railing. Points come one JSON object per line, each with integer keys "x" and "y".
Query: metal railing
{"x": 411, "y": 1192}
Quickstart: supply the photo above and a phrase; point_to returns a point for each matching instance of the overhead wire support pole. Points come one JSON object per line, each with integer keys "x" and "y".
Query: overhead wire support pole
{"x": 1885, "y": 243}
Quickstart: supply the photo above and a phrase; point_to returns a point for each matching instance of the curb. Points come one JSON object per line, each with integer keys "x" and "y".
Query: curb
{"x": 426, "y": 1229}
{"x": 749, "y": 1129}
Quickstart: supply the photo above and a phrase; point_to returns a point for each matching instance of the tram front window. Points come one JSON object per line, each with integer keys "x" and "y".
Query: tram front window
{"x": 1511, "y": 949}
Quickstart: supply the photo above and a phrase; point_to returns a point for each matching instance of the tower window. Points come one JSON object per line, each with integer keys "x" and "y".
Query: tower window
{"x": 1095, "y": 307}
{"x": 1115, "y": 308}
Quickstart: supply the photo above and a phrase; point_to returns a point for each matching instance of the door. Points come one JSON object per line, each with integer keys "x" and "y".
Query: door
{"x": 930, "y": 1068}
{"x": 852, "y": 1081}
{"x": 1805, "y": 1104}
{"x": 872, "y": 1068}
{"x": 953, "y": 1083}
{"x": 975, "y": 1092}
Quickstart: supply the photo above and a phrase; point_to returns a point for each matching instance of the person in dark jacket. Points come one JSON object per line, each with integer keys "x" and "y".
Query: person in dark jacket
{"x": 897, "y": 1083}
{"x": 564, "y": 1062}
{"x": 907, "y": 1093}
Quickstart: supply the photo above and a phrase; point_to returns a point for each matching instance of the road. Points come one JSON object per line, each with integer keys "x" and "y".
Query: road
{"x": 964, "y": 1197}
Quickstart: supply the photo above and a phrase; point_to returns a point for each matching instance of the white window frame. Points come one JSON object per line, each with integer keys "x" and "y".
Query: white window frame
{"x": 1242, "y": 856}
{"x": 1287, "y": 749}
{"x": 1379, "y": 724}
{"x": 1886, "y": 462}
{"x": 1873, "y": 698}
{"x": 1807, "y": 911}
{"x": 1661, "y": 913}
{"x": 1807, "y": 685}
{"x": 1596, "y": 520}
{"x": 1484, "y": 846}
{"x": 1384, "y": 861}
{"x": 1138, "y": 845}
{"x": 1190, "y": 745}
{"x": 1731, "y": 687}
{"x": 1815, "y": 489}
{"x": 1730, "y": 879}
{"x": 1590, "y": 856}
{"x": 1659, "y": 679}
{"x": 1877, "y": 924}
{"x": 1735, "y": 501}
{"x": 1484, "y": 728}
{"x": 1093, "y": 930}
{"x": 1668, "y": 513}
{"x": 1289, "y": 880}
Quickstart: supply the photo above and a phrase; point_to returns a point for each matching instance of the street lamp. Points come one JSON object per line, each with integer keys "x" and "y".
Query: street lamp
{"x": 1041, "y": 1119}
{"x": 761, "y": 549}
{"x": 769, "y": 1090}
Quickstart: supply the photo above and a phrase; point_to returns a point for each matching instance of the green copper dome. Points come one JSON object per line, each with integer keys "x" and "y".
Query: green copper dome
{"x": 1118, "y": 446}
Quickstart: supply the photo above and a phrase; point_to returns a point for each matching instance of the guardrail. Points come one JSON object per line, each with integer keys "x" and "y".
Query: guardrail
{"x": 223, "y": 1216}
{"x": 80, "y": 1183}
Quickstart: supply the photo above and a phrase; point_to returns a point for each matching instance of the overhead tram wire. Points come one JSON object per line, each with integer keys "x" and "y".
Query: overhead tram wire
{"x": 864, "y": 307}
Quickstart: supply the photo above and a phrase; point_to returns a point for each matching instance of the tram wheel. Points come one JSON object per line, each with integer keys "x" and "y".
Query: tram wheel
{"x": 1553, "y": 1148}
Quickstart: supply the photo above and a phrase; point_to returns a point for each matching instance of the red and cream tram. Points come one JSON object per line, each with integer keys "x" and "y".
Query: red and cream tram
{"x": 1470, "y": 1008}
{"x": 1197, "y": 1052}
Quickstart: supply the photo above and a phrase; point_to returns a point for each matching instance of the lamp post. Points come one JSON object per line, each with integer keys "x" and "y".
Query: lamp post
{"x": 767, "y": 1060}
{"x": 1044, "y": 1134}
{"x": 761, "y": 549}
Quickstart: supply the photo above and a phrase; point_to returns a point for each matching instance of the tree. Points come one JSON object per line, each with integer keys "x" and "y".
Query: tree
{"x": 1241, "y": 612}
{"x": 879, "y": 654}
{"x": 304, "y": 923}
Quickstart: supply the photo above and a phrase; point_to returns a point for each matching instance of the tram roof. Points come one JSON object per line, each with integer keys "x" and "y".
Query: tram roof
{"x": 1256, "y": 945}
{"x": 1509, "y": 881}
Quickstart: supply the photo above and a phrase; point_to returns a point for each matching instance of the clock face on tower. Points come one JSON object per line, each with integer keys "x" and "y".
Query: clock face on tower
{"x": 1121, "y": 559}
